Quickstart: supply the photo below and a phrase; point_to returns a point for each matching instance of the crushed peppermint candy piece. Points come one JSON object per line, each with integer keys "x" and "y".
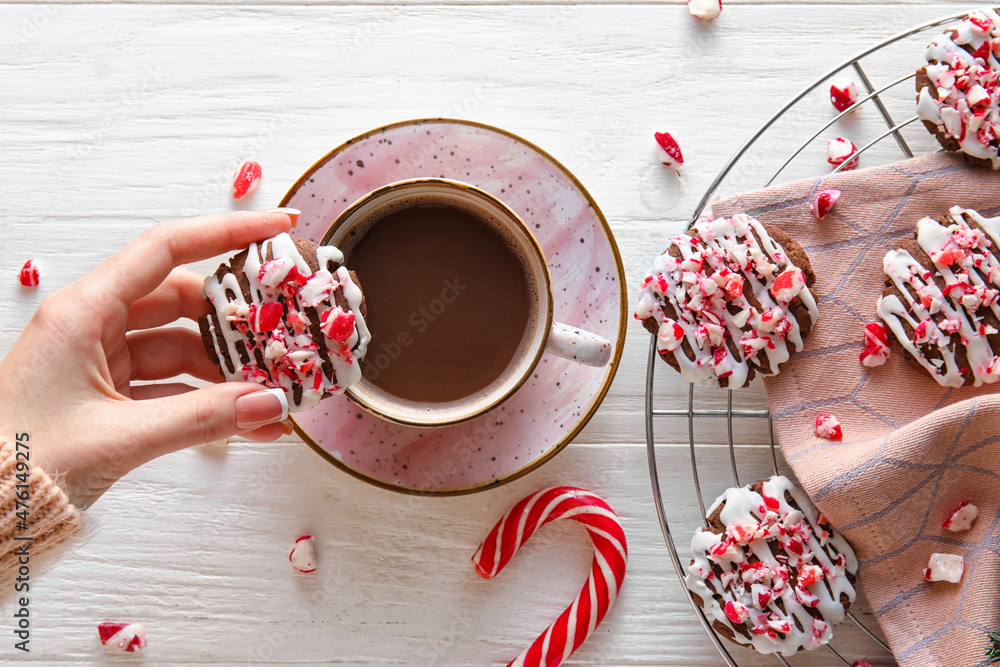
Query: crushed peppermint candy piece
{"x": 29, "y": 274}
{"x": 828, "y": 427}
{"x": 824, "y": 202}
{"x": 246, "y": 179}
{"x": 788, "y": 285}
{"x": 303, "y": 555}
{"x": 876, "y": 341}
{"x": 705, "y": 9}
{"x": 670, "y": 150}
{"x": 945, "y": 567}
{"x": 962, "y": 518}
{"x": 122, "y": 637}
{"x": 843, "y": 94}
{"x": 861, "y": 663}
{"x": 839, "y": 151}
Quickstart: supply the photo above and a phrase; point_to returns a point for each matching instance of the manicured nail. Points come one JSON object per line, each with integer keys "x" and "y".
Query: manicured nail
{"x": 292, "y": 213}
{"x": 288, "y": 427}
{"x": 260, "y": 408}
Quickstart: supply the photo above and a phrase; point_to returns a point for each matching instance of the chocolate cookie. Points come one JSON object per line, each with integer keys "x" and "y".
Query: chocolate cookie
{"x": 941, "y": 297}
{"x": 769, "y": 571}
{"x": 957, "y": 90}
{"x": 725, "y": 300}
{"x": 287, "y": 314}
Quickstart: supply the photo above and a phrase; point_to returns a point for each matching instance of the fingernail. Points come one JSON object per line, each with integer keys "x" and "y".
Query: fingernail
{"x": 260, "y": 408}
{"x": 292, "y": 213}
{"x": 288, "y": 427}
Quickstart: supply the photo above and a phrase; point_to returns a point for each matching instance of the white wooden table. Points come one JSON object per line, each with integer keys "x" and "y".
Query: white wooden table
{"x": 118, "y": 115}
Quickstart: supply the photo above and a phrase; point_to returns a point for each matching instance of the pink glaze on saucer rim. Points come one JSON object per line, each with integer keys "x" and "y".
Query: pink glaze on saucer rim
{"x": 588, "y": 290}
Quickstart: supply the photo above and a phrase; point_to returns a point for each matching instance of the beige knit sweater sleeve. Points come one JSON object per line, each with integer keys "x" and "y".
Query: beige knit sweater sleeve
{"x": 35, "y": 514}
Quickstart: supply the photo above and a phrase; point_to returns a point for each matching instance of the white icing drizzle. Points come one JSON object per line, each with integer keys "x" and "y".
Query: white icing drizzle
{"x": 971, "y": 273}
{"x": 291, "y": 353}
{"x": 966, "y": 106}
{"x": 712, "y": 275}
{"x": 809, "y": 570}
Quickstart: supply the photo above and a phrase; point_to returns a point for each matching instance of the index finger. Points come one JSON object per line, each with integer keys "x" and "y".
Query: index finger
{"x": 140, "y": 266}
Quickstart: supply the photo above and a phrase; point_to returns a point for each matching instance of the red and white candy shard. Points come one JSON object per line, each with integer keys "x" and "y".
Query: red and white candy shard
{"x": 734, "y": 261}
{"x": 962, "y": 518}
{"x": 945, "y": 567}
{"x": 303, "y": 555}
{"x": 839, "y": 150}
{"x": 287, "y": 297}
{"x": 943, "y": 318}
{"x": 122, "y": 637}
{"x": 824, "y": 202}
{"x": 828, "y": 427}
{"x": 246, "y": 179}
{"x": 771, "y": 590}
{"x": 843, "y": 94}
{"x": 670, "y": 150}
{"x": 607, "y": 572}
{"x": 964, "y": 68}
{"x": 29, "y": 274}
{"x": 861, "y": 663}
{"x": 876, "y": 340}
{"x": 705, "y": 9}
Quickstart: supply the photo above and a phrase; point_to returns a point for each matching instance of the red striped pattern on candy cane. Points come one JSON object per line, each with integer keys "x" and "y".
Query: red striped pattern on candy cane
{"x": 607, "y": 571}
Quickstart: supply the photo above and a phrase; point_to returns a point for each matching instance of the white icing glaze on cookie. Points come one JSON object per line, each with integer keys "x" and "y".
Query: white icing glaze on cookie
{"x": 964, "y": 261}
{"x": 710, "y": 276}
{"x": 966, "y": 106}
{"x": 810, "y": 569}
{"x": 281, "y": 329}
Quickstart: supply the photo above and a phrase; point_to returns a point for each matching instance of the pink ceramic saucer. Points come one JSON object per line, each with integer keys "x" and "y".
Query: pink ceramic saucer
{"x": 545, "y": 414}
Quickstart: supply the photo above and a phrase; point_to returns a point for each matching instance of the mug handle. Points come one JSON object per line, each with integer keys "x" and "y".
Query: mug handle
{"x": 578, "y": 345}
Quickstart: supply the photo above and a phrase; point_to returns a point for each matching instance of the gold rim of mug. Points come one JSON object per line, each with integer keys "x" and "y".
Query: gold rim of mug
{"x": 545, "y": 325}
{"x": 615, "y": 359}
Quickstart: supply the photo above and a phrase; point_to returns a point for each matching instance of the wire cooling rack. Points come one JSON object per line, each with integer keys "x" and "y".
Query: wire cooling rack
{"x": 880, "y": 98}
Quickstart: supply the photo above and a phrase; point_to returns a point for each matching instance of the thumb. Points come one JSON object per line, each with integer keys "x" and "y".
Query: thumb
{"x": 203, "y": 415}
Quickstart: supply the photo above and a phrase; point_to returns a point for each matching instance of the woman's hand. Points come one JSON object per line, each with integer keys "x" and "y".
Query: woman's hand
{"x": 67, "y": 381}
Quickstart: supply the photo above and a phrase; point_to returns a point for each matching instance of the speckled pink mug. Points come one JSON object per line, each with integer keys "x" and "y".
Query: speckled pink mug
{"x": 543, "y": 334}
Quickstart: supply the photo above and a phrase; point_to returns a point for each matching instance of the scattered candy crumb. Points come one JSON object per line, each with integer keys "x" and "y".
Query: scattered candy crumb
{"x": 861, "y": 663}
{"x": 246, "y": 179}
{"x": 962, "y": 518}
{"x": 670, "y": 151}
{"x": 705, "y": 9}
{"x": 29, "y": 274}
{"x": 839, "y": 150}
{"x": 122, "y": 637}
{"x": 843, "y": 94}
{"x": 945, "y": 567}
{"x": 876, "y": 350}
{"x": 303, "y": 555}
{"x": 828, "y": 427}
{"x": 824, "y": 202}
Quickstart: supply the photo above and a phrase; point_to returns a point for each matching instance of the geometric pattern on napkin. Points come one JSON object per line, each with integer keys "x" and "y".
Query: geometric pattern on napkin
{"x": 912, "y": 450}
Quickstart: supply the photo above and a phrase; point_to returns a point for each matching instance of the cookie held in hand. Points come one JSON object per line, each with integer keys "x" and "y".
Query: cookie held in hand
{"x": 728, "y": 300}
{"x": 769, "y": 571}
{"x": 288, "y": 315}
{"x": 942, "y": 297}
{"x": 957, "y": 91}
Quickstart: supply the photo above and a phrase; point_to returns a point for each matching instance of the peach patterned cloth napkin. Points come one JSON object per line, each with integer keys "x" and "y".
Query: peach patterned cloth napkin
{"x": 912, "y": 450}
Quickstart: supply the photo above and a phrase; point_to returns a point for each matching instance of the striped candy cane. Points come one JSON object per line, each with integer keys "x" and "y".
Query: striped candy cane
{"x": 578, "y": 622}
